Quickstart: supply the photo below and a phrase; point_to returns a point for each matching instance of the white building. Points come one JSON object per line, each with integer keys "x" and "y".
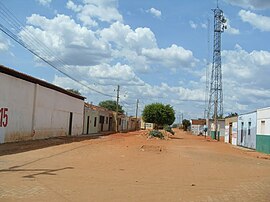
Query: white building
{"x": 263, "y": 130}
{"x": 246, "y": 135}
{"x": 34, "y": 109}
{"x": 197, "y": 126}
{"x": 97, "y": 119}
{"x": 231, "y": 130}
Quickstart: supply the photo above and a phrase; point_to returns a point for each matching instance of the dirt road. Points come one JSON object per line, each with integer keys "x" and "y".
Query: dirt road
{"x": 128, "y": 167}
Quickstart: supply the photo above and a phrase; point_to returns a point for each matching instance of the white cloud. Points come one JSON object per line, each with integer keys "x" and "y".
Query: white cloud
{"x": 93, "y": 11}
{"x": 245, "y": 76}
{"x": 124, "y": 37}
{"x": 172, "y": 57}
{"x": 257, "y": 21}
{"x": 230, "y": 29}
{"x": 193, "y": 25}
{"x": 72, "y": 6}
{"x": 74, "y": 44}
{"x": 154, "y": 12}
{"x": 251, "y": 4}
{"x": 44, "y": 2}
{"x": 204, "y": 25}
{"x": 246, "y": 66}
{"x": 119, "y": 73}
{"x": 4, "y": 44}
{"x": 128, "y": 44}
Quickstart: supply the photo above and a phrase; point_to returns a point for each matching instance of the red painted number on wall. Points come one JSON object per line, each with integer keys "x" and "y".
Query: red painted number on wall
{"x": 3, "y": 117}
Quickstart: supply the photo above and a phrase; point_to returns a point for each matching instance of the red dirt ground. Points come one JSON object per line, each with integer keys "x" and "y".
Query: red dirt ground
{"x": 130, "y": 167}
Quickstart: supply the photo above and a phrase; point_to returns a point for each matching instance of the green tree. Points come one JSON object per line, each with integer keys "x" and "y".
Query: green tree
{"x": 111, "y": 105}
{"x": 186, "y": 124}
{"x": 159, "y": 114}
{"x": 74, "y": 91}
{"x": 232, "y": 114}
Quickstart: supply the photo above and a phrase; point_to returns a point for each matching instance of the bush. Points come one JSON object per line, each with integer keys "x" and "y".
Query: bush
{"x": 174, "y": 125}
{"x": 156, "y": 133}
{"x": 186, "y": 124}
{"x": 168, "y": 129}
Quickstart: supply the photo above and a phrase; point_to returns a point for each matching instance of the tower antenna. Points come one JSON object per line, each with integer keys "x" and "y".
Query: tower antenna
{"x": 215, "y": 105}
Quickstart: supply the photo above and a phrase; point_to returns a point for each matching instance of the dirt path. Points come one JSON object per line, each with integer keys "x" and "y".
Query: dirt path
{"x": 128, "y": 167}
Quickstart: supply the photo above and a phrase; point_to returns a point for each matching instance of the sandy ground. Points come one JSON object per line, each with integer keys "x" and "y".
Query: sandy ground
{"x": 130, "y": 167}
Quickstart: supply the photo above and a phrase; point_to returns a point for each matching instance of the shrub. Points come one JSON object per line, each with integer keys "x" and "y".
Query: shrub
{"x": 174, "y": 125}
{"x": 168, "y": 129}
{"x": 186, "y": 124}
{"x": 156, "y": 133}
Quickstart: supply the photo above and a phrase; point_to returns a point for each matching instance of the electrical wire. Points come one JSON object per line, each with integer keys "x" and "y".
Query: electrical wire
{"x": 37, "y": 49}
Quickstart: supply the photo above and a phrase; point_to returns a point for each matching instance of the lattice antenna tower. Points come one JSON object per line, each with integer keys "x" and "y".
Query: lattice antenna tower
{"x": 215, "y": 105}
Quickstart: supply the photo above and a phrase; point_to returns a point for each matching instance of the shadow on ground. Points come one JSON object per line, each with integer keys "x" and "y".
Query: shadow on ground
{"x": 24, "y": 146}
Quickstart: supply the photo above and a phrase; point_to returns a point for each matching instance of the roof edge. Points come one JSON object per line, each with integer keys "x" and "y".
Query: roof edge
{"x": 25, "y": 77}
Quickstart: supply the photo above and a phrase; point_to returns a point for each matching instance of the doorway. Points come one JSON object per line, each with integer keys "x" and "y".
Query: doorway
{"x": 101, "y": 121}
{"x": 70, "y": 123}
{"x": 242, "y": 132}
{"x": 230, "y": 133}
{"x": 110, "y": 123}
{"x": 88, "y": 123}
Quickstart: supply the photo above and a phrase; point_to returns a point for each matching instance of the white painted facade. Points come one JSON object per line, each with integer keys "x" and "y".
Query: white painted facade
{"x": 263, "y": 130}
{"x": 263, "y": 121}
{"x": 247, "y": 125}
{"x": 197, "y": 129}
{"x": 104, "y": 121}
{"x": 231, "y": 130}
{"x": 91, "y": 121}
{"x": 36, "y": 109}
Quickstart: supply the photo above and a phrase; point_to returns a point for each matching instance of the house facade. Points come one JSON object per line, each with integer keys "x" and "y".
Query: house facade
{"x": 133, "y": 123}
{"x": 247, "y": 128}
{"x": 146, "y": 126}
{"x": 221, "y": 128}
{"x": 263, "y": 130}
{"x": 231, "y": 130}
{"x": 34, "y": 109}
{"x": 197, "y": 126}
{"x": 97, "y": 119}
{"x": 91, "y": 120}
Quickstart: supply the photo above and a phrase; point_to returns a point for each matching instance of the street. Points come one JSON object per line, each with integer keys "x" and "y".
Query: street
{"x": 130, "y": 167}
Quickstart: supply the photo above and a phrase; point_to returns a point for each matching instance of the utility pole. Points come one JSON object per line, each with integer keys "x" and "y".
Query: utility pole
{"x": 215, "y": 105}
{"x": 117, "y": 101}
{"x": 182, "y": 117}
{"x": 137, "y": 105}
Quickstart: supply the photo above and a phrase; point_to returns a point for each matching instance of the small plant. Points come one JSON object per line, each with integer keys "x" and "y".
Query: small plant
{"x": 168, "y": 129}
{"x": 156, "y": 133}
{"x": 186, "y": 124}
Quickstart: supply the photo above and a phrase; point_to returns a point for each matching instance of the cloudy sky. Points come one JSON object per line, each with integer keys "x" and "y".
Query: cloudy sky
{"x": 156, "y": 50}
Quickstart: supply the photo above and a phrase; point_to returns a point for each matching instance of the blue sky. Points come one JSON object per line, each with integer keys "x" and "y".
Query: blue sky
{"x": 156, "y": 50}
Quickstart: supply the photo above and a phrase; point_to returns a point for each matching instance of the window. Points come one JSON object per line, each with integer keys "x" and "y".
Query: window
{"x": 106, "y": 120}
{"x": 101, "y": 119}
{"x": 95, "y": 122}
{"x": 119, "y": 123}
{"x": 262, "y": 127}
{"x": 242, "y": 131}
{"x": 249, "y": 126}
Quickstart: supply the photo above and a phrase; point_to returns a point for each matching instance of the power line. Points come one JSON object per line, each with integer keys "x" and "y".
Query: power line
{"x": 17, "y": 26}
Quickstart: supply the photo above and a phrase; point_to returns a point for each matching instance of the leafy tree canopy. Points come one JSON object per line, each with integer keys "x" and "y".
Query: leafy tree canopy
{"x": 232, "y": 114}
{"x": 159, "y": 114}
{"x": 74, "y": 91}
{"x": 186, "y": 124}
{"x": 111, "y": 105}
